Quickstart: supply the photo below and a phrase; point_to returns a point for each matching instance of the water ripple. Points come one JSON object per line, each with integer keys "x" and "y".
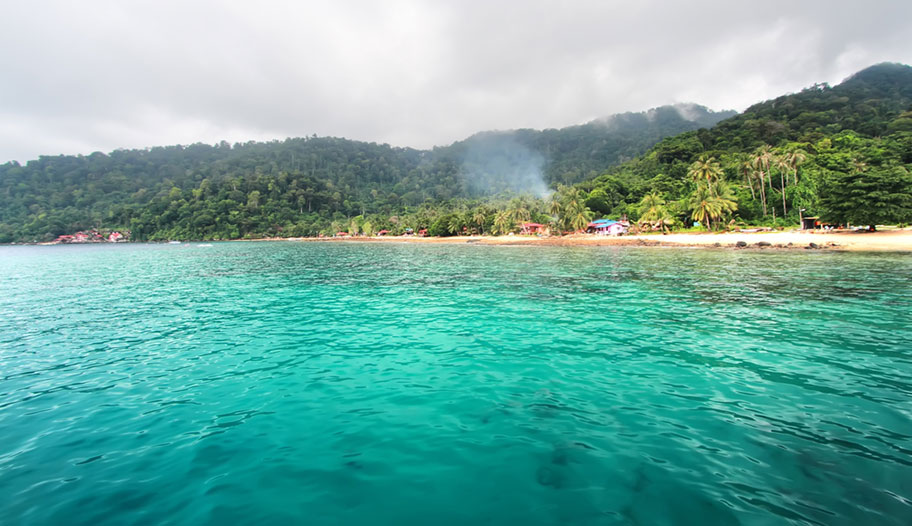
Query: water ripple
{"x": 281, "y": 383}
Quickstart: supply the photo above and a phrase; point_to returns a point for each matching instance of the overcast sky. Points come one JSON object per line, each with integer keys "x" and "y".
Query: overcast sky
{"x": 78, "y": 77}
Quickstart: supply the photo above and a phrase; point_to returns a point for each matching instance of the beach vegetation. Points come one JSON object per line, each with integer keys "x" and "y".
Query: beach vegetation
{"x": 654, "y": 214}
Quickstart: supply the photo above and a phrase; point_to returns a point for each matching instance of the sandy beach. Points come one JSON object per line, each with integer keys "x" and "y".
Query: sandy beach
{"x": 885, "y": 241}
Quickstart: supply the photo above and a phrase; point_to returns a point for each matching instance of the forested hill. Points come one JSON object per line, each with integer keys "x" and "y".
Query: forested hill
{"x": 842, "y": 152}
{"x": 867, "y": 103}
{"x": 301, "y": 186}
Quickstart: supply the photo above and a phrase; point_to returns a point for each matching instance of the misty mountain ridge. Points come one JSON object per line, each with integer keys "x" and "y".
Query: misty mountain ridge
{"x": 532, "y": 161}
{"x": 700, "y": 115}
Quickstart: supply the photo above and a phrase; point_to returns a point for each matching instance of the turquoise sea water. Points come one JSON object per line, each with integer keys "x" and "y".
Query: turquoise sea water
{"x": 304, "y": 383}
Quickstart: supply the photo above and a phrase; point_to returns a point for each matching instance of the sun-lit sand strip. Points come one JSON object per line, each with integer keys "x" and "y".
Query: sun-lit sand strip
{"x": 886, "y": 241}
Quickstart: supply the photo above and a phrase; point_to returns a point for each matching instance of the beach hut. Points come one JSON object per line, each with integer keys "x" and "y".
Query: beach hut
{"x": 409, "y": 231}
{"x": 422, "y": 232}
{"x": 618, "y": 229}
{"x": 383, "y": 232}
{"x": 531, "y": 228}
{"x": 607, "y": 227}
{"x": 810, "y": 223}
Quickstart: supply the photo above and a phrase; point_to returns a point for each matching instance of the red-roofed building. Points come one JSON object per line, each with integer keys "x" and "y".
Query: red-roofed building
{"x": 532, "y": 228}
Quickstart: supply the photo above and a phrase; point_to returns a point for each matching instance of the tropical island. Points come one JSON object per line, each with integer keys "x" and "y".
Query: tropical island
{"x": 838, "y": 155}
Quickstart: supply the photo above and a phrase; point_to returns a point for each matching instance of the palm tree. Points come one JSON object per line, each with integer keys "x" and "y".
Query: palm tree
{"x": 455, "y": 224}
{"x": 705, "y": 168}
{"x": 758, "y": 174}
{"x": 761, "y": 162}
{"x": 725, "y": 198}
{"x": 520, "y": 211}
{"x": 580, "y": 219}
{"x": 744, "y": 165}
{"x": 782, "y": 164}
{"x": 479, "y": 219}
{"x": 701, "y": 202}
{"x": 576, "y": 214}
{"x": 766, "y": 156}
{"x": 654, "y": 212}
{"x": 503, "y": 223}
{"x": 709, "y": 205}
{"x": 554, "y": 207}
{"x": 795, "y": 159}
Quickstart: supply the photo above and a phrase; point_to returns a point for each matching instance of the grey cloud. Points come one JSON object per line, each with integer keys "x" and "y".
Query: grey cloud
{"x": 79, "y": 77}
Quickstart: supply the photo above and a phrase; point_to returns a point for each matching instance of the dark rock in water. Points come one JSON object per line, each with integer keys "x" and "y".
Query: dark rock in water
{"x": 549, "y": 477}
{"x": 790, "y": 244}
{"x": 717, "y": 244}
{"x": 658, "y": 497}
{"x": 813, "y": 245}
{"x": 741, "y": 244}
{"x": 566, "y": 453}
{"x": 763, "y": 243}
{"x": 559, "y": 457}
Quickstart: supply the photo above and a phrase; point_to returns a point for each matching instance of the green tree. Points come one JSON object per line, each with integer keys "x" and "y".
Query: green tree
{"x": 881, "y": 195}
{"x": 576, "y": 215}
{"x": 253, "y": 200}
{"x": 554, "y": 207}
{"x": 710, "y": 205}
{"x": 479, "y": 218}
{"x": 762, "y": 157}
{"x": 746, "y": 169}
{"x": 519, "y": 211}
{"x": 782, "y": 164}
{"x": 503, "y": 223}
{"x": 654, "y": 213}
{"x": 705, "y": 169}
{"x": 455, "y": 224}
{"x": 794, "y": 159}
